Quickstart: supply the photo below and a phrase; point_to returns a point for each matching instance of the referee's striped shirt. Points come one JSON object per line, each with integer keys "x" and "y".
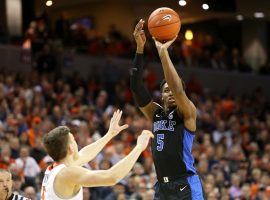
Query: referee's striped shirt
{"x": 17, "y": 197}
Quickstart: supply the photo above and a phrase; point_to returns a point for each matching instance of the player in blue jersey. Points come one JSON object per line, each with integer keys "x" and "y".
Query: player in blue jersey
{"x": 174, "y": 126}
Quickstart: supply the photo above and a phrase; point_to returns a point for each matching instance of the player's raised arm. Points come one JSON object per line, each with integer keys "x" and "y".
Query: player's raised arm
{"x": 139, "y": 91}
{"x": 185, "y": 106}
{"x": 76, "y": 175}
{"x": 89, "y": 152}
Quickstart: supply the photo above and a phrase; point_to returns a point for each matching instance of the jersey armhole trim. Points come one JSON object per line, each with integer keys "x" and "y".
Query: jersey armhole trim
{"x": 189, "y": 131}
{"x": 157, "y": 106}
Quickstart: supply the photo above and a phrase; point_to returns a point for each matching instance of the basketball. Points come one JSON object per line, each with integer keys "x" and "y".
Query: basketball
{"x": 164, "y": 24}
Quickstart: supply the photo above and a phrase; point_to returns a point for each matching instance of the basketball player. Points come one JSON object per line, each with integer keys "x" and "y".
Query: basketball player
{"x": 65, "y": 178}
{"x": 6, "y": 187}
{"x": 174, "y": 126}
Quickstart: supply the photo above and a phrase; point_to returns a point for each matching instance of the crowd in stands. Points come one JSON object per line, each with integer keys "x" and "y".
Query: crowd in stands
{"x": 204, "y": 51}
{"x": 231, "y": 150}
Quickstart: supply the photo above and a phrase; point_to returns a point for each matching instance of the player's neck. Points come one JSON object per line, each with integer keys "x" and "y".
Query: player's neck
{"x": 168, "y": 109}
{"x": 67, "y": 160}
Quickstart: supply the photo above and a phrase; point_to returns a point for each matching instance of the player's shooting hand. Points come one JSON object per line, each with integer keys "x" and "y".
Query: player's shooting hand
{"x": 162, "y": 47}
{"x": 115, "y": 128}
{"x": 143, "y": 139}
{"x": 139, "y": 36}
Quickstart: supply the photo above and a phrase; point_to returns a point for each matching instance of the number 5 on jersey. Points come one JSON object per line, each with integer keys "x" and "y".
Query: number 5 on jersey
{"x": 160, "y": 143}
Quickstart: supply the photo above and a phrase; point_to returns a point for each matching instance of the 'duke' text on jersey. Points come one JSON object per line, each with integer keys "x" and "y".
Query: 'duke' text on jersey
{"x": 164, "y": 125}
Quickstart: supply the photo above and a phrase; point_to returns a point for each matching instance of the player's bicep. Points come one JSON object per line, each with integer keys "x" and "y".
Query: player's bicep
{"x": 87, "y": 178}
{"x": 149, "y": 110}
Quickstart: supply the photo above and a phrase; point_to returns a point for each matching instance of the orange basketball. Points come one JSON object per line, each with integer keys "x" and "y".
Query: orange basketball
{"x": 164, "y": 24}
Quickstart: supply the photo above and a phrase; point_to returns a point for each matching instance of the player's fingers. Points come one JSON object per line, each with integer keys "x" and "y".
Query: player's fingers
{"x": 114, "y": 117}
{"x": 142, "y": 23}
{"x": 124, "y": 127}
{"x": 114, "y": 114}
{"x": 139, "y": 25}
{"x": 171, "y": 41}
{"x": 119, "y": 115}
{"x": 151, "y": 135}
{"x": 157, "y": 43}
{"x": 136, "y": 30}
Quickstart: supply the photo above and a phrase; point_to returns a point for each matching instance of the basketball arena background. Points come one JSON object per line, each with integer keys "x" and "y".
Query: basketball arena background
{"x": 66, "y": 62}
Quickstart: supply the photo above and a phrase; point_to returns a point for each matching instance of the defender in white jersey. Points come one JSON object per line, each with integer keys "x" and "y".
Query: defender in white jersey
{"x": 6, "y": 187}
{"x": 65, "y": 178}
{"x": 48, "y": 183}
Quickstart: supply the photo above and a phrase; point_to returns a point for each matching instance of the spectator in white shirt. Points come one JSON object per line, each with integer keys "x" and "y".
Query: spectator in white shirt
{"x": 28, "y": 166}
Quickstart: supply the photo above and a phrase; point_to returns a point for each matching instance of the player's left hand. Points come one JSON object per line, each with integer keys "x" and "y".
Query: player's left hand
{"x": 139, "y": 36}
{"x": 163, "y": 47}
{"x": 115, "y": 128}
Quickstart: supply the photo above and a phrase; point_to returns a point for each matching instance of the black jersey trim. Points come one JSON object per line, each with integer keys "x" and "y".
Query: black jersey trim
{"x": 11, "y": 197}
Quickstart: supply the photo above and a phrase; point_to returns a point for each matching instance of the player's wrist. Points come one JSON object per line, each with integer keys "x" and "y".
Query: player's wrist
{"x": 139, "y": 147}
{"x": 110, "y": 134}
{"x": 140, "y": 49}
{"x": 162, "y": 53}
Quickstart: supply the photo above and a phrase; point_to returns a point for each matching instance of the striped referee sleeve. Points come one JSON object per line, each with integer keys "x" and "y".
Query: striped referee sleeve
{"x": 17, "y": 197}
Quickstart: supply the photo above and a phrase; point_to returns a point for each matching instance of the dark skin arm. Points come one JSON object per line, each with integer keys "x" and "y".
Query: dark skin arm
{"x": 140, "y": 39}
{"x": 184, "y": 105}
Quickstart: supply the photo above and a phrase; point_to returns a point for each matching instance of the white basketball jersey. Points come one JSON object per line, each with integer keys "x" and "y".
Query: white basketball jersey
{"x": 47, "y": 190}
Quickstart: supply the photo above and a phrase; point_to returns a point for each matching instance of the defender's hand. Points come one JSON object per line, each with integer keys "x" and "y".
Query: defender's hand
{"x": 114, "y": 128}
{"x": 139, "y": 36}
{"x": 143, "y": 139}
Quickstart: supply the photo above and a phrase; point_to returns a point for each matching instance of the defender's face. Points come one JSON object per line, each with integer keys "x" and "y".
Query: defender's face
{"x": 5, "y": 184}
{"x": 167, "y": 97}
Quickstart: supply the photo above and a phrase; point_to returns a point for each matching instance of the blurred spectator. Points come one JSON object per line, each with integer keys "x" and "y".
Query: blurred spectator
{"x": 86, "y": 194}
{"x": 62, "y": 27}
{"x": 114, "y": 34}
{"x": 17, "y": 184}
{"x": 194, "y": 86}
{"x": 28, "y": 166}
{"x": 46, "y": 61}
{"x": 235, "y": 190}
{"x": 5, "y": 159}
{"x": 29, "y": 192}
{"x": 118, "y": 192}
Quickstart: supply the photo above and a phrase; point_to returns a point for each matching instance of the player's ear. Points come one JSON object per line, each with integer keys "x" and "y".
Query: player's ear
{"x": 70, "y": 149}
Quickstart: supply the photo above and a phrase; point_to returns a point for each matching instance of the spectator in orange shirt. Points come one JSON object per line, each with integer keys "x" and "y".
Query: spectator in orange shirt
{"x": 34, "y": 131}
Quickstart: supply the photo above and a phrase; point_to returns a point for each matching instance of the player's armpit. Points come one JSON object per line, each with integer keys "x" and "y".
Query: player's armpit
{"x": 77, "y": 175}
{"x": 149, "y": 110}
